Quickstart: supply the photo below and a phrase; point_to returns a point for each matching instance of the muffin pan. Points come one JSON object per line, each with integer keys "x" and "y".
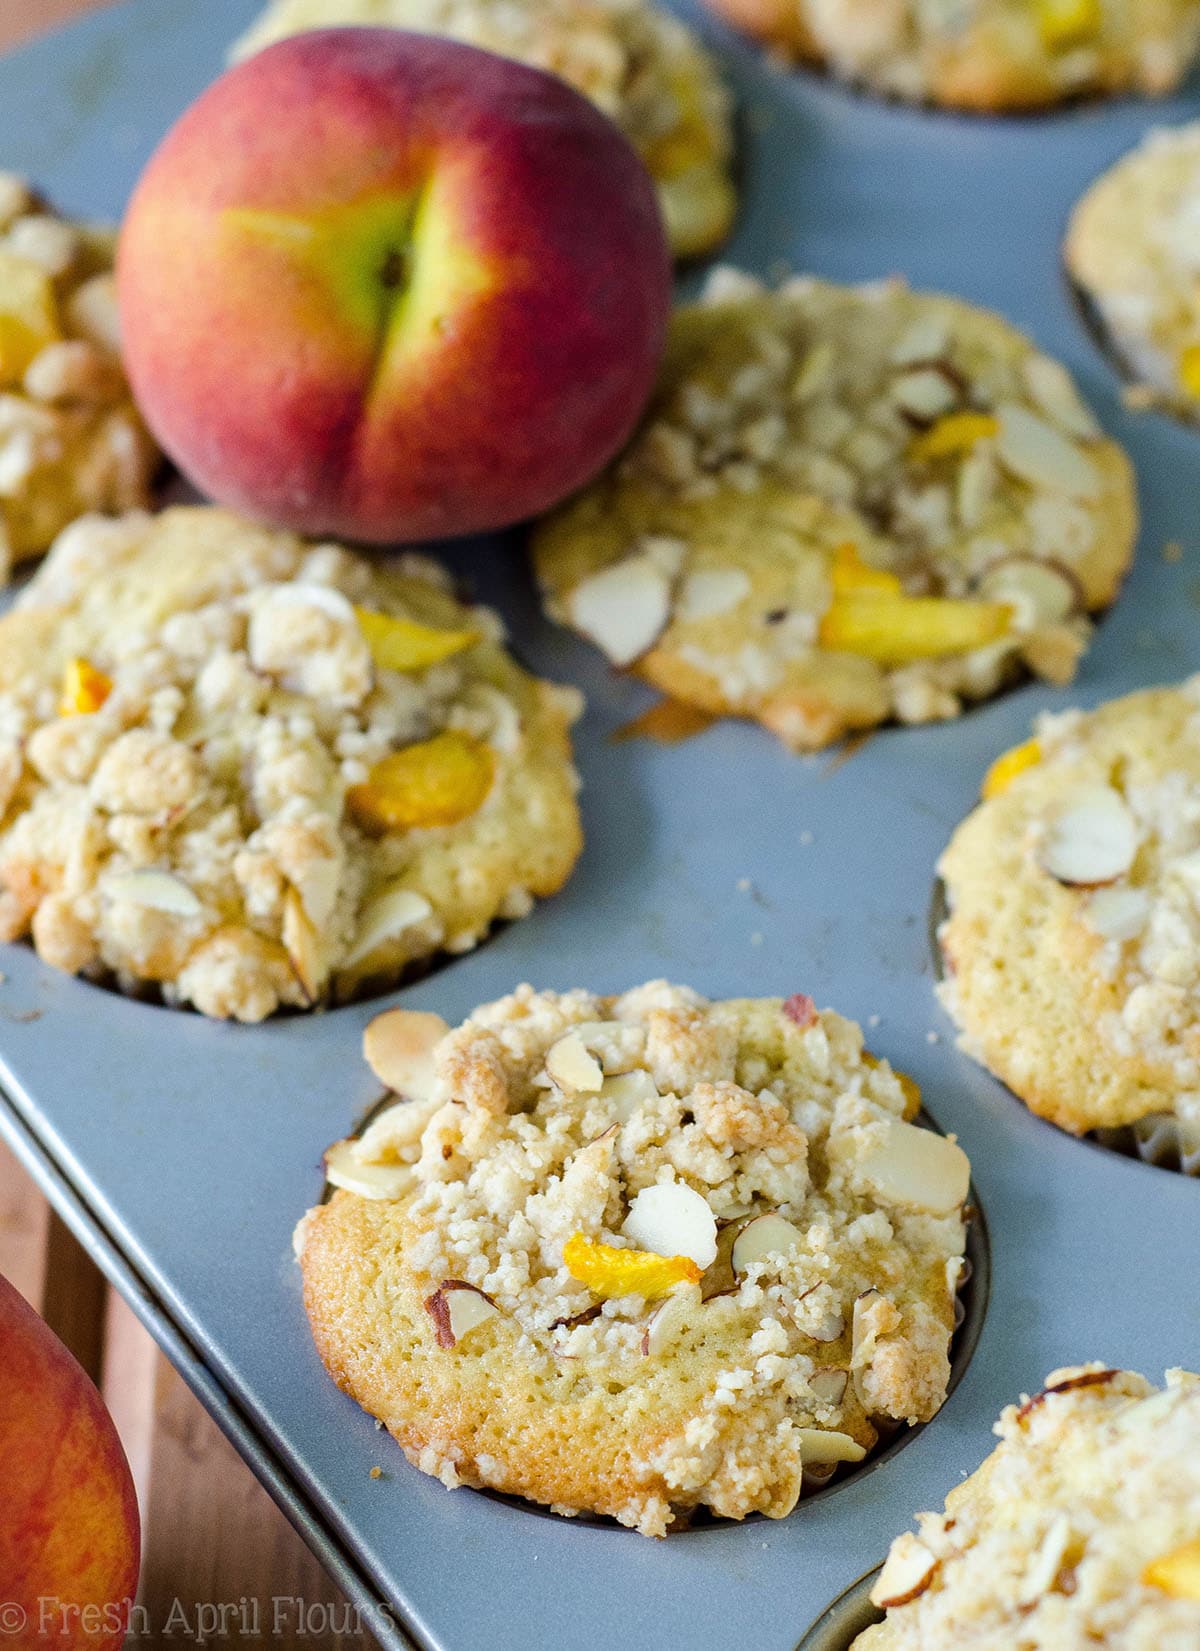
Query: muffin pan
{"x": 184, "y": 1151}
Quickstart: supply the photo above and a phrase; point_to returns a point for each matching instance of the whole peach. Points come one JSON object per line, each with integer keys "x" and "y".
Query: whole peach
{"x": 391, "y": 287}
{"x": 69, "y": 1530}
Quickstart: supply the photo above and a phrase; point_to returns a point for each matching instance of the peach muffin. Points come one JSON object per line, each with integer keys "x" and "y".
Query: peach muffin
{"x": 986, "y": 55}
{"x": 1082, "y": 1529}
{"x": 258, "y": 772}
{"x": 71, "y": 439}
{"x": 1073, "y": 942}
{"x": 845, "y": 505}
{"x": 638, "y": 1255}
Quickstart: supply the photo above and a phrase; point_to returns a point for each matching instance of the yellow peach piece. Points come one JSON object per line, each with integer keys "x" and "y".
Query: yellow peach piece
{"x": 1189, "y": 370}
{"x": 28, "y": 315}
{"x": 1006, "y": 767}
{"x": 1176, "y": 1573}
{"x": 609, "y": 1271}
{"x": 1063, "y": 24}
{"x": 853, "y": 577}
{"x": 398, "y": 644}
{"x": 434, "y": 783}
{"x": 897, "y": 630}
{"x": 84, "y": 689}
{"x": 954, "y": 434}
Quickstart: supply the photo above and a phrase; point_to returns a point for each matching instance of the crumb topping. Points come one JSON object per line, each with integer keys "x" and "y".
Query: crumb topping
{"x": 767, "y": 1152}
{"x": 1080, "y": 1529}
{"x": 817, "y": 463}
{"x": 188, "y": 817}
{"x": 71, "y": 440}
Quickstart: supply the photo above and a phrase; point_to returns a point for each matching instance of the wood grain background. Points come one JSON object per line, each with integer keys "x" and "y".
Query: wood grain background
{"x": 211, "y": 1535}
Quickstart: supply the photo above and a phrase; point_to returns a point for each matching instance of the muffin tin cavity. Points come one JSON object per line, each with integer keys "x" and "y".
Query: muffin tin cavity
{"x": 850, "y": 1615}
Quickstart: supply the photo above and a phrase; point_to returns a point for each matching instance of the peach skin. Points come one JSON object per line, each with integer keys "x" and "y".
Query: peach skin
{"x": 392, "y": 287}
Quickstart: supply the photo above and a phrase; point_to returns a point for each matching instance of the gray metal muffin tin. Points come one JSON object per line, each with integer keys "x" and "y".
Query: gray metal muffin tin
{"x": 183, "y": 1151}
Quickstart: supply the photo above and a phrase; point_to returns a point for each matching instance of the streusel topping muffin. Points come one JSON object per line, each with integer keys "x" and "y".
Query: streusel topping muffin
{"x": 1133, "y": 250}
{"x": 256, "y": 771}
{"x": 71, "y": 440}
{"x": 1082, "y": 1529}
{"x": 643, "y": 67}
{"x": 638, "y": 1255}
{"x": 1073, "y": 941}
{"x": 987, "y": 55}
{"x": 844, "y": 505}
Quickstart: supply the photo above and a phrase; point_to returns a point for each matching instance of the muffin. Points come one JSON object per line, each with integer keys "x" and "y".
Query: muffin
{"x": 1071, "y": 948}
{"x": 1133, "y": 251}
{"x": 985, "y": 55}
{"x": 254, "y": 772}
{"x": 1081, "y": 1529}
{"x": 71, "y": 440}
{"x": 643, "y": 67}
{"x": 638, "y": 1255}
{"x": 845, "y": 505}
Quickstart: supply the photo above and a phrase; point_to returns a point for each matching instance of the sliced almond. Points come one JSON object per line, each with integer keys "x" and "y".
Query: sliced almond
{"x": 398, "y": 1046}
{"x": 912, "y": 1166}
{"x": 711, "y": 591}
{"x": 303, "y": 945}
{"x": 1045, "y": 1565}
{"x": 1094, "y": 841}
{"x": 1068, "y": 1380}
{"x": 1040, "y": 454}
{"x": 671, "y": 1219}
{"x": 159, "y": 890}
{"x": 1118, "y": 913}
{"x": 925, "y": 393}
{"x": 822, "y": 1445}
{"x": 456, "y": 1309}
{"x": 623, "y": 608}
{"x": 626, "y": 1094}
{"x": 829, "y": 1384}
{"x": 385, "y": 919}
{"x": 573, "y": 1066}
{"x": 829, "y": 1328}
{"x": 767, "y": 1235}
{"x": 1039, "y": 592}
{"x": 1052, "y": 387}
{"x": 670, "y": 1320}
{"x": 907, "y": 1572}
{"x": 345, "y": 1168}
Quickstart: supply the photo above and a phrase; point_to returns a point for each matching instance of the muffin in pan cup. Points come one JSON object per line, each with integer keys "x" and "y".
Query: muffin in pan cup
{"x": 253, "y": 772}
{"x": 1081, "y": 1529}
{"x": 1071, "y": 949}
{"x": 643, "y": 1256}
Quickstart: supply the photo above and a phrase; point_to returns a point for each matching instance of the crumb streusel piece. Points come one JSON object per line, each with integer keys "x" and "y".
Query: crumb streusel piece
{"x": 258, "y": 772}
{"x": 71, "y": 440}
{"x": 990, "y": 55}
{"x": 1133, "y": 249}
{"x": 1073, "y": 941}
{"x": 638, "y": 1255}
{"x": 845, "y": 505}
{"x": 641, "y": 65}
{"x": 1081, "y": 1529}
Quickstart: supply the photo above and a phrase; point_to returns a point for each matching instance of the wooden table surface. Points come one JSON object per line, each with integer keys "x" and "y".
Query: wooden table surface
{"x": 211, "y": 1535}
